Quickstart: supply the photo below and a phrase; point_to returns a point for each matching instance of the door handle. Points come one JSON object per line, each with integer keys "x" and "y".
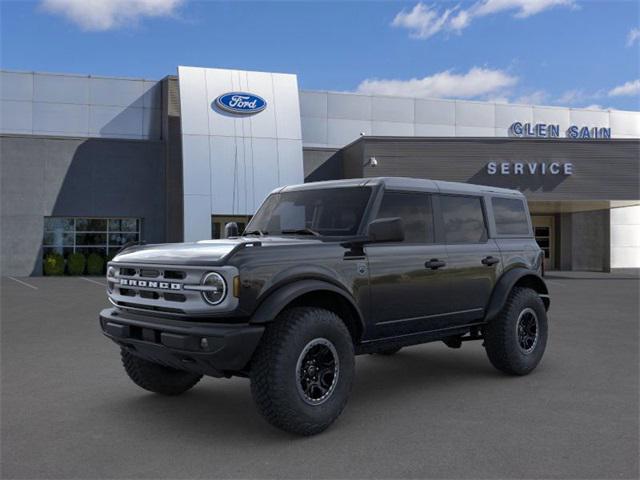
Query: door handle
{"x": 488, "y": 261}
{"x": 434, "y": 264}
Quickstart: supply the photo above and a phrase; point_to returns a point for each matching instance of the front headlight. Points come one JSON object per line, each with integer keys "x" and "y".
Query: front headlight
{"x": 216, "y": 288}
{"x": 111, "y": 273}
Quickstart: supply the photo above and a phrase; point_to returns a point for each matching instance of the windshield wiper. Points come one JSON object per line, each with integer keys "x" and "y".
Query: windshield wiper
{"x": 255, "y": 232}
{"x": 302, "y": 231}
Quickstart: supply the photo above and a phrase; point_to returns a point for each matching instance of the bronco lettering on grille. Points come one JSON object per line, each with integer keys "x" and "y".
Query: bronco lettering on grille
{"x": 150, "y": 284}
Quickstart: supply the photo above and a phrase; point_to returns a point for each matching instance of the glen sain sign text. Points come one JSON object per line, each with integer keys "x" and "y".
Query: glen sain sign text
{"x": 545, "y": 130}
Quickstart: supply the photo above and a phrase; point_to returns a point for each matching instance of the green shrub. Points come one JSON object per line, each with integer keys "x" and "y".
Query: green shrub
{"x": 95, "y": 264}
{"x": 76, "y": 263}
{"x": 53, "y": 264}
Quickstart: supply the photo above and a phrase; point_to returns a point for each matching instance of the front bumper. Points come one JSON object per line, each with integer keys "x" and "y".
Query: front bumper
{"x": 181, "y": 344}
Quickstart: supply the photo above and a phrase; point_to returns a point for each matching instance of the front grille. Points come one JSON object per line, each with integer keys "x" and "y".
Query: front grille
{"x": 161, "y": 289}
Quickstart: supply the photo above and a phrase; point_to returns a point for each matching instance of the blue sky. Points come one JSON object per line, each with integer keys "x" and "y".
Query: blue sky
{"x": 558, "y": 52}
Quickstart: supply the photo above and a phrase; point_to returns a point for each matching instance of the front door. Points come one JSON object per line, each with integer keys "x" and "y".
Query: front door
{"x": 544, "y": 230}
{"x": 407, "y": 279}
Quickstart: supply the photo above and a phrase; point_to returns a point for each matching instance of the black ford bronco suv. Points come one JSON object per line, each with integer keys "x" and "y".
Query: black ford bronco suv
{"x": 326, "y": 271}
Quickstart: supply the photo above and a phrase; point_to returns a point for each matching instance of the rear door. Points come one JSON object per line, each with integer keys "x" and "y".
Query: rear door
{"x": 406, "y": 293}
{"x": 474, "y": 259}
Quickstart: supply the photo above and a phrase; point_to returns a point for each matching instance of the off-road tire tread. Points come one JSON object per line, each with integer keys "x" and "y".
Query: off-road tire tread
{"x": 266, "y": 387}
{"x": 157, "y": 378}
{"x": 499, "y": 338}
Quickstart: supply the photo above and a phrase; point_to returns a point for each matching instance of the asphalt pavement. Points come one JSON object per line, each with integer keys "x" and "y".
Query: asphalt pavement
{"x": 69, "y": 411}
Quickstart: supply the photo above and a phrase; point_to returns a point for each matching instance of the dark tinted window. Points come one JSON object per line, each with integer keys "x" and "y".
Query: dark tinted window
{"x": 415, "y": 211}
{"x": 463, "y": 219}
{"x": 327, "y": 211}
{"x": 510, "y": 215}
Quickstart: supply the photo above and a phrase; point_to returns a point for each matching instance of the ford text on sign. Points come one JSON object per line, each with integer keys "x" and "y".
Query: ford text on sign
{"x": 240, "y": 103}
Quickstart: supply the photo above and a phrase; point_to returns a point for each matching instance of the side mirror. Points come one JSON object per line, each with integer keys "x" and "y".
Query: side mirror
{"x": 386, "y": 230}
{"x": 231, "y": 230}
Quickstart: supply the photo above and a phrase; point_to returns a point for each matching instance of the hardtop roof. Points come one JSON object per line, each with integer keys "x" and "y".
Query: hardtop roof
{"x": 405, "y": 183}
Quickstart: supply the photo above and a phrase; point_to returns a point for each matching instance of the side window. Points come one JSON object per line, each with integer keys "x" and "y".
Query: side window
{"x": 463, "y": 219}
{"x": 415, "y": 211}
{"x": 511, "y": 216}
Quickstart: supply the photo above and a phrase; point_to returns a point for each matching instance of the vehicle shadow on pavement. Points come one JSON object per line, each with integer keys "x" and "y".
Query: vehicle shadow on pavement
{"x": 224, "y": 409}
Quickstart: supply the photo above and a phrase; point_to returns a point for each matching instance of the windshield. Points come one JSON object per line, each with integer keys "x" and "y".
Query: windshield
{"x": 333, "y": 212}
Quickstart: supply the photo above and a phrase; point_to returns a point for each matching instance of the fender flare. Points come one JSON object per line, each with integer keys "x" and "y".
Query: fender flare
{"x": 282, "y": 296}
{"x": 505, "y": 284}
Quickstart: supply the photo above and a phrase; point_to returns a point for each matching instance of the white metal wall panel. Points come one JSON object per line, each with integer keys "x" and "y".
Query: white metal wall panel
{"x": 116, "y": 92}
{"x": 426, "y": 130}
{"x": 552, "y": 115}
{"x": 389, "y": 109}
{"x": 435, "y": 112}
{"x": 341, "y": 132}
{"x": 197, "y": 218}
{"x": 392, "y": 129}
{"x": 313, "y": 104}
{"x": 349, "y": 106}
{"x": 16, "y": 117}
{"x": 105, "y": 121}
{"x": 348, "y": 114}
{"x": 16, "y": 86}
{"x": 598, "y": 118}
{"x": 61, "y": 89}
{"x": 80, "y": 106}
{"x": 196, "y": 175}
{"x": 625, "y": 237}
{"x": 61, "y": 118}
{"x": 472, "y": 114}
{"x": 287, "y": 111}
{"x": 248, "y": 155}
{"x": 625, "y": 123}
{"x": 506, "y": 115}
{"x": 314, "y": 130}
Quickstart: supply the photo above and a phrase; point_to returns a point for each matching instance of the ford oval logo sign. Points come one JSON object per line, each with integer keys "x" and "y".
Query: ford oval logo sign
{"x": 240, "y": 103}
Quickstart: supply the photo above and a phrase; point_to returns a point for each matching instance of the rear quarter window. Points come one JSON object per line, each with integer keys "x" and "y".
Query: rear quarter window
{"x": 463, "y": 219}
{"x": 511, "y": 216}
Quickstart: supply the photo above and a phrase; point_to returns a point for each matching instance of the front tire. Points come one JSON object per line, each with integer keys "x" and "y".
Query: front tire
{"x": 157, "y": 378}
{"x": 302, "y": 371}
{"x": 516, "y": 339}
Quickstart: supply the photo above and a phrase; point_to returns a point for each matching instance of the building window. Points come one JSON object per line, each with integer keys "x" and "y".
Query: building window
{"x": 219, "y": 221}
{"x": 104, "y": 236}
{"x": 463, "y": 219}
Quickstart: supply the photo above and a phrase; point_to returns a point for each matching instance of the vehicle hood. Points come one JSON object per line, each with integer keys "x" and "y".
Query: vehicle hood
{"x": 204, "y": 252}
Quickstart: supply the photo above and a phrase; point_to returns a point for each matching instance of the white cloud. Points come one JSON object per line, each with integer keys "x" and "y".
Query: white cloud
{"x": 100, "y": 15}
{"x": 423, "y": 21}
{"x": 629, "y": 88}
{"x": 475, "y": 83}
{"x": 595, "y": 106}
{"x": 571, "y": 97}
{"x": 538, "y": 97}
{"x": 633, "y": 36}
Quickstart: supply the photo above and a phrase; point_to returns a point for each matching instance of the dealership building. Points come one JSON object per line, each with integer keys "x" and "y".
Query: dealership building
{"x": 89, "y": 163}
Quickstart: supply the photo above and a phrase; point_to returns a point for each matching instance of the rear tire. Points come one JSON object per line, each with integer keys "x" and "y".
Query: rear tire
{"x": 157, "y": 378}
{"x": 302, "y": 371}
{"x": 516, "y": 339}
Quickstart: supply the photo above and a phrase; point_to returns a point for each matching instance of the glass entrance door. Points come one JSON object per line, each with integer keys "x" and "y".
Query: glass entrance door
{"x": 544, "y": 230}
{"x": 219, "y": 221}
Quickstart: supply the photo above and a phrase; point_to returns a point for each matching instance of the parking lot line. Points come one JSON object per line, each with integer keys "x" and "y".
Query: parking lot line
{"x": 94, "y": 281}
{"x": 23, "y": 283}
